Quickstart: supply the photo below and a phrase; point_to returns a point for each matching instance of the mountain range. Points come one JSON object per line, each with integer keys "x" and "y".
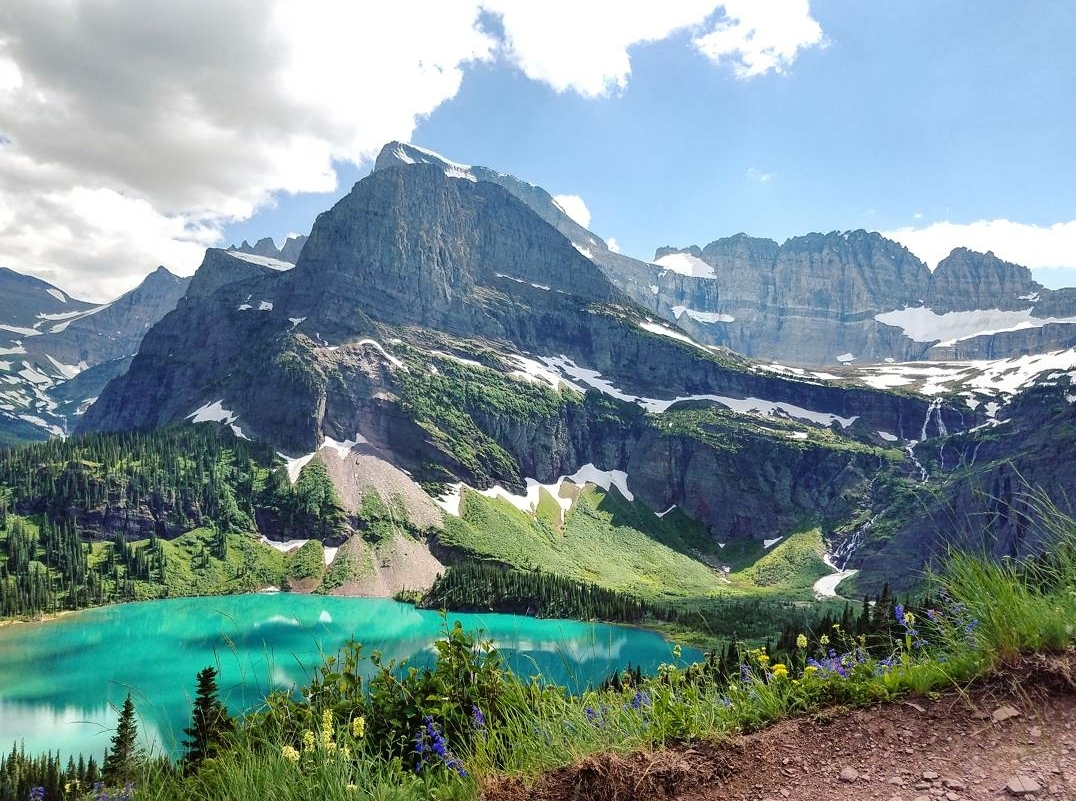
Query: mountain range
{"x": 449, "y": 337}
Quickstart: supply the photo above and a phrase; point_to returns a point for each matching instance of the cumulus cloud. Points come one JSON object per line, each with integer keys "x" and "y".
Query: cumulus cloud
{"x": 1030, "y": 245}
{"x": 612, "y": 244}
{"x": 758, "y": 175}
{"x": 758, "y": 37}
{"x": 180, "y": 118}
{"x": 574, "y": 207}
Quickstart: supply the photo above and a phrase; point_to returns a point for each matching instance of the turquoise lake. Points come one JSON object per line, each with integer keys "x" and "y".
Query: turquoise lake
{"x": 61, "y": 681}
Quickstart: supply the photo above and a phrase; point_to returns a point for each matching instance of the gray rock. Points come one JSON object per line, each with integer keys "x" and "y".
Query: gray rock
{"x": 849, "y": 775}
{"x": 1022, "y": 785}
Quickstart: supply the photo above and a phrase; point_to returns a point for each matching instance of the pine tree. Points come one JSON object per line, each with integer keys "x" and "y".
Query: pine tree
{"x": 210, "y": 722}
{"x": 121, "y": 759}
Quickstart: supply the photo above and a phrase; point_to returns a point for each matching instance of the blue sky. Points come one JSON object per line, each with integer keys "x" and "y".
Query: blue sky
{"x": 940, "y": 124}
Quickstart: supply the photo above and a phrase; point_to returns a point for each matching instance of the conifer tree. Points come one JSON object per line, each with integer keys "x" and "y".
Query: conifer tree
{"x": 210, "y": 722}
{"x": 122, "y": 757}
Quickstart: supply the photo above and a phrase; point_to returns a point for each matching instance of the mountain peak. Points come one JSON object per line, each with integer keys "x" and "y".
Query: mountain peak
{"x": 397, "y": 154}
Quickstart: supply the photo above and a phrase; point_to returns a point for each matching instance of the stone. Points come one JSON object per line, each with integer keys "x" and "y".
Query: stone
{"x": 930, "y": 775}
{"x": 953, "y": 784}
{"x": 849, "y": 775}
{"x": 1004, "y": 712}
{"x": 1022, "y": 785}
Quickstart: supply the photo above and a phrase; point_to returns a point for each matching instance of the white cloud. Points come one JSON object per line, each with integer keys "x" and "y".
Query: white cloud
{"x": 181, "y": 118}
{"x": 759, "y": 175}
{"x": 574, "y": 207}
{"x": 584, "y": 46}
{"x": 612, "y": 244}
{"x": 760, "y": 36}
{"x": 1030, "y": 245}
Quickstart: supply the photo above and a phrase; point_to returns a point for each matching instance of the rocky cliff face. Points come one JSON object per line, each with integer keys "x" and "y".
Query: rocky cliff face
{"x": 854, "y": 297}
{"x": 57, "y": 353}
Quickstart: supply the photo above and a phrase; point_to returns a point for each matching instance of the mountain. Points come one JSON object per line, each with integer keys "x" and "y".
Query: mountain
{"x": 266, "y": 248}
{"x": 438, "y": 330}
{"x": 819, "y": 300}
{"x": 857, "y": 297}
{"x": 449, "y": 334}
{"x": 57, "y": 352}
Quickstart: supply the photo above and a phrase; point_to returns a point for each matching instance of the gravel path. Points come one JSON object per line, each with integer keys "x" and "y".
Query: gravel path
{"x": 1013, "y": 736}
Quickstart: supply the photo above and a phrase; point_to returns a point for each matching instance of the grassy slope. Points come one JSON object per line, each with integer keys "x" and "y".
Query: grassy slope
{"x": 624, "y": 546}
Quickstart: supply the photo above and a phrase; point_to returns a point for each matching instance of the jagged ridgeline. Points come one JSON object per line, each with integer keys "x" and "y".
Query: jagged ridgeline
{"x": 174, "y": 511}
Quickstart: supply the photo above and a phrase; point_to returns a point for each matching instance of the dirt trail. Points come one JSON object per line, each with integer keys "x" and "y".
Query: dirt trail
{"x": 1012, "y": 736}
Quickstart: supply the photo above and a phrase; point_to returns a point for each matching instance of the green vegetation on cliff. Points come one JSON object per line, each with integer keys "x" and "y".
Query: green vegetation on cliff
{"x": 115, "y": 517}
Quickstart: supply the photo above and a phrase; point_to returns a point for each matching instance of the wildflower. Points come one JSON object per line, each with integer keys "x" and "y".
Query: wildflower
{"x": 478, "y": 720}
{"x": 327, "y": 723}
{"x": 780, "y": 671}
{"x": 590, "y": 713}
{"x": 358, "y": 727}
{"x": 37, "y": 794}
{"x": 429, "y": 741}
{"x": 289, "y": 753}
{"x": 676, "y": 651}
{"x": 823, "y": 640}
{"x": 810, "y": 670}
{"x": 801, "y": 641}
{"x": 640, "y": 700}
{"x": 763, "y": 658}
{"x": 308, "y": 740}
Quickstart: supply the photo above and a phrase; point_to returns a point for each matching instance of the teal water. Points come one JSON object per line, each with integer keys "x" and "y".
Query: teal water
{"x": 61, "y": 681}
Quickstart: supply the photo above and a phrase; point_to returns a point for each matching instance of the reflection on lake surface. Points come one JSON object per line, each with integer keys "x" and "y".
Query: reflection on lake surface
{"x": 62, "y": 681}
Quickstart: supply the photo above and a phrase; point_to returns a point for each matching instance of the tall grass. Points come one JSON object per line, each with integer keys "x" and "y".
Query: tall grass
{"x": 1020, "y": 606}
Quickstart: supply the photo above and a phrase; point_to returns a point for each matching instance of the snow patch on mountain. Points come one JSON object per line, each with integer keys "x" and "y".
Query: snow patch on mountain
{"x": 665, "y": 331}
{"x": 686, "y": 264}
{"x": 759, "y": 406}
{"x": 528, "y": 502}
{"x": 264, "y": 261}
{"x": 922, "y": 324}
{"x": 702, "y": 317}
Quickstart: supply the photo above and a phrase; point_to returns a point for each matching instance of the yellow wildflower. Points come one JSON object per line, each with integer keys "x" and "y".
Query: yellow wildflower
{"x": 308, "y": 740}
{"x": 327, "y": 723}
{"x": 801, "y": 641}
{"x": 676, "y": 651}
{"x": 823, "y": 640}
{"x": 289, "y": 753}
{"x": 810, "y": 670}
{"x": 780, "y": 671}
{"x": 327, "y": 740}
{"x": 358, "y": 727}
{"x": 763, "y": 658}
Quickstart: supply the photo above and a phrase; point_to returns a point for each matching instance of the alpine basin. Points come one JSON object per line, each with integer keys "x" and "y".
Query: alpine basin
{"x": 62, "y": 680}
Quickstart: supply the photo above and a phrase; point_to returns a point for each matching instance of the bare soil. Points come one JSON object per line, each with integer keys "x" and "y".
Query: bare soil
{"x": 1016, "y": 728}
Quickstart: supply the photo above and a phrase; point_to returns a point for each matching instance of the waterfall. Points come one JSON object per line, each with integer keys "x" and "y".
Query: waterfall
{"x": 910, "y": 450}
{"x": 844, "y": 552}
{"x": 934, "y": 410}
